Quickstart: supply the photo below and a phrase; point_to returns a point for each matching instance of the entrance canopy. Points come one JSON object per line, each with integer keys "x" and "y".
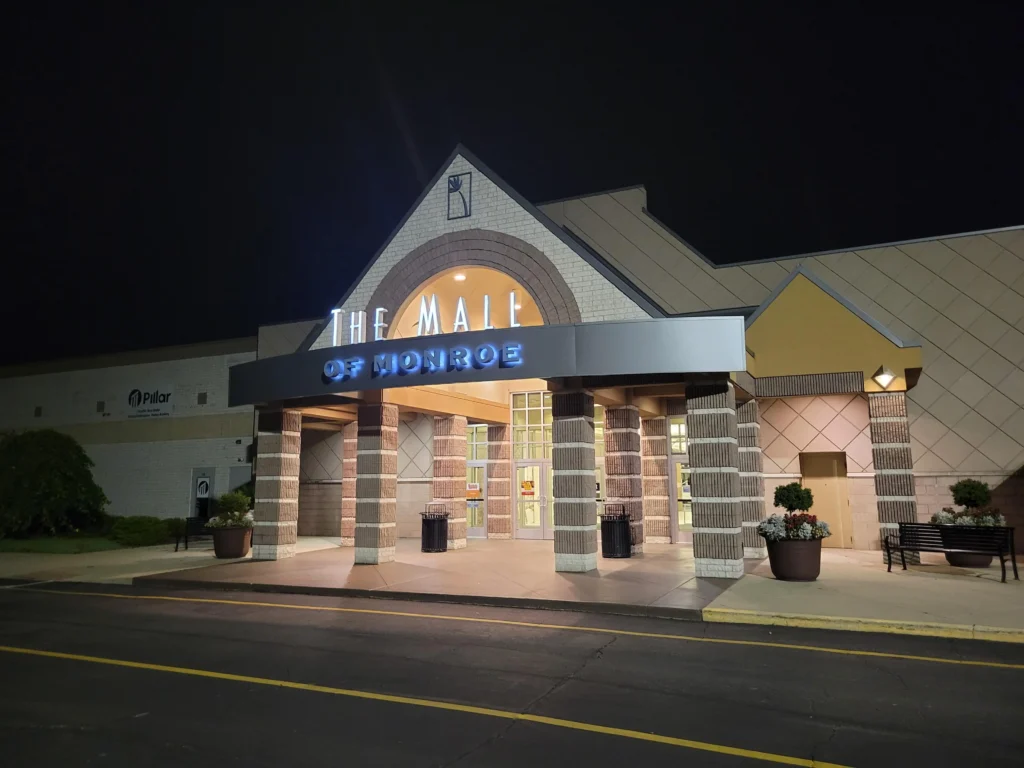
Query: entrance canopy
{"x": 634, "y": 348}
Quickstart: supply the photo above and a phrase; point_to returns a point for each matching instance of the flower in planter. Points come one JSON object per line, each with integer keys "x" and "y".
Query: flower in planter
{"x": 973, "y": 496}
{"x": 797, "y": 526}
{"x": 232, "y": 512}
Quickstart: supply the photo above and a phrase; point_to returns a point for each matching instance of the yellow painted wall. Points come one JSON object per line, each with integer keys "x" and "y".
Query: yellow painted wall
{"x": 805, "y": 330}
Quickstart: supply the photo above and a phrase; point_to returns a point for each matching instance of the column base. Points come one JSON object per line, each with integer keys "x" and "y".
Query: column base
{"x": 566, "y": 563}
{"x": 499, "y": 535}
{"x": 755, "y": 553}
{"x": 710, "y": 568}
{"x": 456, "y": 543}
{"x": 374, "y": 555}
{"x": 657, "y": 539}
{"x": 348, "y": 542}
{"x": 636, "y": 549}
{"x": 272, "y": 551}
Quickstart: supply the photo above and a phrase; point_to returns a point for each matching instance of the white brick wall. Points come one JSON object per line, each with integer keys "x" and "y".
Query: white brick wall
{"x": 492, "y": 209}
{"x": 156, "y": 478}
{"x": 71, "y": 397}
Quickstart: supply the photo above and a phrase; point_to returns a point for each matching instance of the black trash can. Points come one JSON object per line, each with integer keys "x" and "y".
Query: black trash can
{"x": 434, "y": 535}
{"x": 615, "y": 539}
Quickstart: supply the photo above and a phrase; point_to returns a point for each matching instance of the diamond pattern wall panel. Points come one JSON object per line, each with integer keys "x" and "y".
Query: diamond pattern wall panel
{"x": 825, "y": 424}
{"x": 415, "y": 446}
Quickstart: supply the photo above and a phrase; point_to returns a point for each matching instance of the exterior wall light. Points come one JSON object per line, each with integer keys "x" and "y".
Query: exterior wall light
{"x": 883, "y": 377}
{"x": 459, "y": 277}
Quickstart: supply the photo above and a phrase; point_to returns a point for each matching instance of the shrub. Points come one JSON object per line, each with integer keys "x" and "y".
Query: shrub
{"x": 46, "y": 485}
{"x": 232, "y": 511}
{"x": 139, "y": 531}
{"x": 971, "y": 494}
{"x": 175, "y": 527}
{"x": 793, "y": 497}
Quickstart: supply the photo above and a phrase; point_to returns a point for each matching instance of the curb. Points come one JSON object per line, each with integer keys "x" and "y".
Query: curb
{"x": 612, "y": 609}
{"x": 853, "y": 624}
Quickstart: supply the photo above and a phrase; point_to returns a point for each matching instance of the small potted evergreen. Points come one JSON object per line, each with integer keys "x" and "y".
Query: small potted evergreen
{"x": 974, "y": 496}
{"x": 232, "y": 526}
{"x": 794, "y": 539}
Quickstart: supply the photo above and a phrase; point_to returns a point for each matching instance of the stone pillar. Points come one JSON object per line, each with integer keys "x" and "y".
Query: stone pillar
{"x": 450, "y": 474}
{"x": 748, "y": 430}
{"x": 350, "y": 441}
{"x": 499, "y": 482}
{"x": 622, "y": 471}
{"x": 712, "y": 445}
{"x": 376, "y": 483}
{"x": 574, "y": 492}
{"x": 894, "y": 465}
{"x": 654, "y": 453}
{"x": 276, "y": 490}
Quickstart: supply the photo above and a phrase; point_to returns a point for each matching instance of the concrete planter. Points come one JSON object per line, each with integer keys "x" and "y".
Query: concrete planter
{"x": 231, "y": 542}
{"x": 795, "y": 559}
{"x": 951, "y": 539}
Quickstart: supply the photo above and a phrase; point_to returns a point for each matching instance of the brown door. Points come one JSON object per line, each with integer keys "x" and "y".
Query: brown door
{"x": 825, "y": 475}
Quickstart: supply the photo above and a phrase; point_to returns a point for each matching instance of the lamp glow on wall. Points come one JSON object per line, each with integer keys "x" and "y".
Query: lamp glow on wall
{"x": 883, "y": 377}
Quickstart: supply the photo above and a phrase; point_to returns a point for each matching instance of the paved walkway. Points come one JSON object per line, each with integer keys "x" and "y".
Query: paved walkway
{"x": 662, "y": 582}
{"x": 855, "y": 592}
{"x": 120, "y": 566}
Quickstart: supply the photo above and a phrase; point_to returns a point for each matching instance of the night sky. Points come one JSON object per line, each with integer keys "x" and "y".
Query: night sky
{"x": 174, "y": 174}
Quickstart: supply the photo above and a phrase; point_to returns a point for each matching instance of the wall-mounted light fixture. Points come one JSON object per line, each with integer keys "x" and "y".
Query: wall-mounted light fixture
{"x": 883, "y": 377}
{"x": 459, "y": 277}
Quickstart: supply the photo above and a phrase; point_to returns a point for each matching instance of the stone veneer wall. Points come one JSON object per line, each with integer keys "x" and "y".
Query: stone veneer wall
{"x": 894, "y": 465}
{"x": 712, "y": 445}
{"x": 450, "y": 474}
{"x": 376, "y": 483}
{"x": 654, "y": 464}
{"x": 622, "y": 468}
{"x": 276, "y": 490}
{"x": 499, "y": 482}
{"x": 574, "y": 498}
{"x": 350, "y": 442}
{"x": 748, "y": 430}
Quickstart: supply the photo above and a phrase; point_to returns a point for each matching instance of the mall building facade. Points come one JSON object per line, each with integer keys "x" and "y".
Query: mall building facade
{"x": 528, "y": 366}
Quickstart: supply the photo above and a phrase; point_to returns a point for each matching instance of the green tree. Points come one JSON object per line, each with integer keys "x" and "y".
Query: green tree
{"x": 793, "y": 497}
{"x": 46, "y": 485}
{"x": 971, "y": 494}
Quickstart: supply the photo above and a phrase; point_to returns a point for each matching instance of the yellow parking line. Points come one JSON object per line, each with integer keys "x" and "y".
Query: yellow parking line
{"x": 557, "y": 722}
{"x": 537, "y": 625}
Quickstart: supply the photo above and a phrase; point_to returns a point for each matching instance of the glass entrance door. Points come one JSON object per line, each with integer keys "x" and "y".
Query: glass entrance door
{"x": 534, "y": 514}
{"x": 476, "y": 501}
{"x": 684, "y": 502}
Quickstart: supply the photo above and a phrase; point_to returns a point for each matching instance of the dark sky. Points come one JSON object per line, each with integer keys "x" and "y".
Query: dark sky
{"x": 175, "y": 173}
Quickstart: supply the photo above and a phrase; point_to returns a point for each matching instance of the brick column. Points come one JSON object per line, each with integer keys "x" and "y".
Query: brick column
{"x": 751, "y": 461}
{"x": 276, "y": 490}
{"x": 622, "y": 472}
{"x": 450, "y": 474}
{"x": 350, "y": 441}
{"x": 499, "y": 482}
{"x": 712, "y": 445}
{"x": 574, "y": 492}
{"x": 894, "y": 465}
{"x": 376, "y": 483}
{"x": 655, "y": 470}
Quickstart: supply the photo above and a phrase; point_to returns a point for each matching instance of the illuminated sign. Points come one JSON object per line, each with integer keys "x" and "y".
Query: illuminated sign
{"x": 429, "y": 322}
{"x": 426, "y": 361}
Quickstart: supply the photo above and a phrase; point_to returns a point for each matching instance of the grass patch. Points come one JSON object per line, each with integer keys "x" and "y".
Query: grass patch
{"x": 59, "y": 545}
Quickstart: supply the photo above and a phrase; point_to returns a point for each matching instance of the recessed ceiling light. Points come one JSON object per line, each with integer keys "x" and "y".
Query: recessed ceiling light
{"x": 459, "y": 277}
{"x": 519, "y": 306}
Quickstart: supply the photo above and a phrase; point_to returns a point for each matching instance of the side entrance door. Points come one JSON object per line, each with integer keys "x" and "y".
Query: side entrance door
{"x": 534, "y": 513}
{"x": 825, "y": 475}
{"x": 476, "y": 500}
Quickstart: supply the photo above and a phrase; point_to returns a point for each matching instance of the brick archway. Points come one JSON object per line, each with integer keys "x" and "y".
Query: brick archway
{"x": 480, "y": 247}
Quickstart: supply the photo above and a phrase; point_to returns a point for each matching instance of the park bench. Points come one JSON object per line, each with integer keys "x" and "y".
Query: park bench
{"x": 967, "y": 539}
{"x": 194, "y": 528}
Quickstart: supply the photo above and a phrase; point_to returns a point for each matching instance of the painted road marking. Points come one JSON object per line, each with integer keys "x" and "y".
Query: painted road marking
{"x": 468, "y": 709}
{"x": 537, "y": 625}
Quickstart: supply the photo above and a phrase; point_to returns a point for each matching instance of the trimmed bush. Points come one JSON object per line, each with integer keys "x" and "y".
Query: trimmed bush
{"x": 971, "y": 494}
{"x": 793, "y": 497}
{"x": 46, "y": 486}
{"x": 139, "y": 531}
{"x": 175, "y": 527}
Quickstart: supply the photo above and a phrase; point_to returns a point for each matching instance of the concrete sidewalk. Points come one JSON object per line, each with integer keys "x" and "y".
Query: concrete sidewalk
{"x": 121, "y": 566}
{"x": 855, "y": 593}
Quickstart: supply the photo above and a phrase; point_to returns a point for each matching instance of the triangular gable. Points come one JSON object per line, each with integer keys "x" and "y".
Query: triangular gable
{"x": 806, "y": 327}
{"x": 491, "y": 201}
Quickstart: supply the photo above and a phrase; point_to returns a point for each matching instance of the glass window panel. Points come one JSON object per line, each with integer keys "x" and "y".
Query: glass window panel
{"x": 519, "y": 400}
{"x": 547, "y": 398}
{"x": 533, "y": 417}
{"x": 533, "y": 399}
{"x": 536, "y": 450}
{"x": 547, "y": 451}
{"x": 547, "y": 434}
{"x": 517, "y": 451}
{"x": 535, "y": 435}
{"x": 547, "y": 416}
{"x": 519, "y": 434}
{"x": 519, "y": 417}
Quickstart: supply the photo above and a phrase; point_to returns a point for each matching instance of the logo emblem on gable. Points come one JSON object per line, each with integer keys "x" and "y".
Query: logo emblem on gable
{"x": 460, "y": 196}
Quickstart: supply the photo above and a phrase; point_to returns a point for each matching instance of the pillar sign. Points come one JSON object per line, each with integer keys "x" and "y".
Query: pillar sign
{"x": 202, "y": 496}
